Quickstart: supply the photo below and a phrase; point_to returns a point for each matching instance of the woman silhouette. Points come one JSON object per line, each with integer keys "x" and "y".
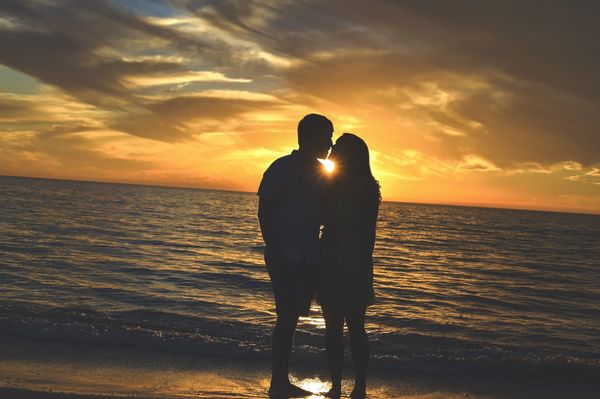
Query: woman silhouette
{"x": 345, "y": 287}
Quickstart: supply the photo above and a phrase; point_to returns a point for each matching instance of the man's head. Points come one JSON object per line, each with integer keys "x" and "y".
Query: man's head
{"x": 314, "y": 135}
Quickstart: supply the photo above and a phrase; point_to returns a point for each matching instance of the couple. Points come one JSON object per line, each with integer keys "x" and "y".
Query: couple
{"x": 297, "y": 196}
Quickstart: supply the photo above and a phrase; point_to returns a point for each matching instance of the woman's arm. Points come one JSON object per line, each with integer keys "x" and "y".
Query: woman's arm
{"x": 365, "y": 281}
{"x": 371, "y": 213}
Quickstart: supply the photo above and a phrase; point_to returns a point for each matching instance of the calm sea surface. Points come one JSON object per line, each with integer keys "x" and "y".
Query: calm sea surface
{"x": 181, "y": 270}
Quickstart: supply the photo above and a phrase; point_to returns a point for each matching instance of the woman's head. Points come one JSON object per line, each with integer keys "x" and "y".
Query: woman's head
{"x": 351, "y": 157}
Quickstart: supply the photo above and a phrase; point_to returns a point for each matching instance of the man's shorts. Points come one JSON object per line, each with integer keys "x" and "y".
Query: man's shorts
{"x": 293, "y": 286}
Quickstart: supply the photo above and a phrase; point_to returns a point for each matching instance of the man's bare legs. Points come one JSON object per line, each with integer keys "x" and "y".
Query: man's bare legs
{"x": 281, "y": 349}
{"x": 282, "y": 340}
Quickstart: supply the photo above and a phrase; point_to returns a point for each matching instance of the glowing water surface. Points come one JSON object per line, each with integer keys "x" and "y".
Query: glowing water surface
{"x": 182, "y": 270}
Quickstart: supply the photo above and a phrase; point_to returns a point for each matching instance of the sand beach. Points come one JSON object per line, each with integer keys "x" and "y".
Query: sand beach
{"x": 50, "y": 370}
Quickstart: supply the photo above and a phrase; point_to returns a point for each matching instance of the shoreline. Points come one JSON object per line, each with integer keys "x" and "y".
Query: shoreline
{"x": 32, "y": 369}
{"x": 21, "y": 393}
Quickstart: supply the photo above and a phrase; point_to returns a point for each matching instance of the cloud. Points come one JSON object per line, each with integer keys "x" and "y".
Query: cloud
{"x": 476, "y": 163}
{"x": 509, "y": 81}
{"x": 182, "y": 78}
{"x": 465, "y": 90}
{"x": 65, "y": 43}
{"x": 179, "y": 118}
{"x": 13, "y": 111}
{"x": 200, "y": 107}
{"x": 85, "y": 47}
{"x": 591, "y": 176}
{"x": 75, "y": 154}
{"x": 551, "y": 45}
{"x": 114, "y": 59}
{"x": 47, "y": 108}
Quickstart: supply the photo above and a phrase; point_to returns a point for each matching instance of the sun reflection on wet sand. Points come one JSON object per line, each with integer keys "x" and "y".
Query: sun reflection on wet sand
{"x": 315, "y": 385}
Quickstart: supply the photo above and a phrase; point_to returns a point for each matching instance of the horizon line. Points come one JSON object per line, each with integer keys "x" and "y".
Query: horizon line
{"x": 466, "y": 205}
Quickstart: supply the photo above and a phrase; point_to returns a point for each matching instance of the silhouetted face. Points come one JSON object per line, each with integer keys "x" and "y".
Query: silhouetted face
{"x": 318, "y": 145}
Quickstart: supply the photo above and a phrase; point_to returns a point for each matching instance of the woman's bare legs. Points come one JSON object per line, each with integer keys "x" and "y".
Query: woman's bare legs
{"x": 334, "y": 347}
{"x": 359, "y": 345}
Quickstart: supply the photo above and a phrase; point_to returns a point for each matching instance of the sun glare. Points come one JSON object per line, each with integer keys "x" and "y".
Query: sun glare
{"x": 313, "y": 385}
{"x": 328, "y": 165}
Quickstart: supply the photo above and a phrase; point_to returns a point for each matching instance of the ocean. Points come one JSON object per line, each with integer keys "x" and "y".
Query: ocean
{"x": 459, "y": 289}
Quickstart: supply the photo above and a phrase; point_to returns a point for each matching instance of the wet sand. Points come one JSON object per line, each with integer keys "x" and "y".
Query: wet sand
{"x": 49, "y": 370}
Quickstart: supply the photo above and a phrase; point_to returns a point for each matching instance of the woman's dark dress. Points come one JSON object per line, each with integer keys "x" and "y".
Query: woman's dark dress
{"x": 346, "y": 276}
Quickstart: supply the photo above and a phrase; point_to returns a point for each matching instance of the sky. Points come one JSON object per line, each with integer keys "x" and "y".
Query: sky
{"x": 489, "y": 103}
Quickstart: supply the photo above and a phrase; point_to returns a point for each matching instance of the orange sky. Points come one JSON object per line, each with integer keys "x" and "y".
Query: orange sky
{"x": 485, "y": 104}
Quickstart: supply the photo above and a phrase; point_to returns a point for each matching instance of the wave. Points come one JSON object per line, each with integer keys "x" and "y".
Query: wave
{"x": 182, "y": 270}
{"x": 200, "y": 335}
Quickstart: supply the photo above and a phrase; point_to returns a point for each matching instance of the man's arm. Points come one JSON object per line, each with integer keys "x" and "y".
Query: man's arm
{"x": 267, "y": 218}
{"x": 271, "y": 193}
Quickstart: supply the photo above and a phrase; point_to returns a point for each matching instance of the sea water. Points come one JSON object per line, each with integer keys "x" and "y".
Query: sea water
{"x": 181, "y": 270}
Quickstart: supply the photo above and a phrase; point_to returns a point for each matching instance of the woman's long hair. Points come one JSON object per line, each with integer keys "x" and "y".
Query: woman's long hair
{"x": 352, "y": 155}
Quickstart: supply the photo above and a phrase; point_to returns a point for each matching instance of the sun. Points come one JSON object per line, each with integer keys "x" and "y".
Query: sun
{"x": 328, "y": 165}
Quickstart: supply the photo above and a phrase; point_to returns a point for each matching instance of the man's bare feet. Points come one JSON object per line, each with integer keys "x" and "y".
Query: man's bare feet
{"x": 288, "y": 390}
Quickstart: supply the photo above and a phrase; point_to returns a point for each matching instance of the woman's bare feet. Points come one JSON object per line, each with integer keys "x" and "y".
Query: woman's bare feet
{"x": 359, "y": 392}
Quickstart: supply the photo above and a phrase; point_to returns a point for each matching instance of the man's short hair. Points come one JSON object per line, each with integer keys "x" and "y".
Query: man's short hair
{"x": 311, "y": 125}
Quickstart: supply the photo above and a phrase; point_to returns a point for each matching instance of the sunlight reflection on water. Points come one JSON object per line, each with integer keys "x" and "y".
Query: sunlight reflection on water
{"x": 316, "y": 317}
{"x": 183, "y": 270}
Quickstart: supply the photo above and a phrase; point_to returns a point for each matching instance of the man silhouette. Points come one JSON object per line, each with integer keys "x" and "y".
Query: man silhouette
{"x": 291, "y": 197}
